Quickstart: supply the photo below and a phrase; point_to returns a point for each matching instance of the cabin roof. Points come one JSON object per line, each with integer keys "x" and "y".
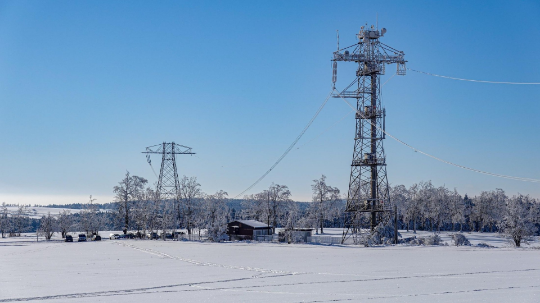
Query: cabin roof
{"x": 252, "y": 223}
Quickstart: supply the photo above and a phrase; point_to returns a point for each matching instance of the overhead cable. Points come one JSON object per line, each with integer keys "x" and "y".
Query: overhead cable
{"x": 290, "y": 146}
{"x": 471, "y": 80}
{"x": 436, "y": 158}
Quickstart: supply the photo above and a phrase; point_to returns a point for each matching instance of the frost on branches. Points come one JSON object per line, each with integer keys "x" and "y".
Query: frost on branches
{"x": 518, "y": 219}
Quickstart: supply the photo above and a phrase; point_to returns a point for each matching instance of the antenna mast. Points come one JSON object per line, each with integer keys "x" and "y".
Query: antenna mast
{"x": 368, "y": 185}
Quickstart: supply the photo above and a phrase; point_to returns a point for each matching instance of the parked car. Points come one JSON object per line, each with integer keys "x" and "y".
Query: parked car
{"x": 82, "y": 238}
{"x": 68, "y": 238}
{"x": 114, "y": 236}
{"x": 96, "y": 238}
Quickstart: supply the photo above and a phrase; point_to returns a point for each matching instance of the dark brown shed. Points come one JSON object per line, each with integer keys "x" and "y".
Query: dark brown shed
{"x": 247, "y": 229}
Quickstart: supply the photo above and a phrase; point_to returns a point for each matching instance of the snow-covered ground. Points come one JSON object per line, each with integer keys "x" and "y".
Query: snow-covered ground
{"x": 171, "y": 271}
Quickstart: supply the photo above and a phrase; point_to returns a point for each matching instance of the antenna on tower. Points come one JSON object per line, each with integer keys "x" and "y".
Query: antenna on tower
{"x": 337, "y": 31}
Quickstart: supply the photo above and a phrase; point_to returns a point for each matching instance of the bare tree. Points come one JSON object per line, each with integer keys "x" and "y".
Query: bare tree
{"x": 5, "y": 221}
{"x": 127, "y": 191}
{"x": 325, "y": 198}
{"x": 20, "y": 221}
{"x": 252, "y": 208}
{"x": 47, "y": 226}
{"x": 414, "y": 205}
{"x": 215, "y": 213}
{"x": 65, "y": 222}
{"x": 90, "y": 221}
{"x": 399, "y": 195}
{"x": 518, "y": 222}
{"x": 456, "y": 208}
{"x": 292, "y": 219}
{"x": 190, "y": 194}
{"x": 278, "y": 196}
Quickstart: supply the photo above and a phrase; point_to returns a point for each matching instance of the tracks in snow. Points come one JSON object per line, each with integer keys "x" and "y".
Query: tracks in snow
{"x": 200, "y": 263}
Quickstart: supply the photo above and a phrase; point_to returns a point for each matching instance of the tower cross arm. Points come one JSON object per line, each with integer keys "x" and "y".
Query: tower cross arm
{"x": 170, "y": 148}
{"x": 382, "y": 58}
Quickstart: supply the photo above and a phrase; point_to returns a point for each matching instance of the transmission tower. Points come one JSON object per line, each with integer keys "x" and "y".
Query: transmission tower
{"x": 368, "y": 185}
{"x": 168, "y": 187}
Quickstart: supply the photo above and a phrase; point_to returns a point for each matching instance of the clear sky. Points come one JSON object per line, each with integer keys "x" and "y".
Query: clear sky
{"x": 85, "y": 86}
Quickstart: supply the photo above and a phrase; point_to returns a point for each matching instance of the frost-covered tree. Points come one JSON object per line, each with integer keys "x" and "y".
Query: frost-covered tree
{"x": 273, "y": 201}
{"x": 456, "y": 209}
{"x": 190, "y": 194}
{"x": 267, "y": 206}
{"x": 125, "y": 192}
{"x": 65, "y": 222}
{"x": 47, "y": 226}
{"x": 168, "y": 218}
{"x": 399, "y": 195}
{"x": 325, "y": 198}
{"x": 253, "y": 207}
{"x": 518, "y": 222}
{"x": 152, "y": 211}
{"x": 5, "y": 222}
{"x": 215, "y": 213}
{"x": 489, "y": 208}
{"x": 292, "y": 218}
{"x": 437, "y": 210}
{"x": 19, "y": 221}
{"x": 468, "y": 212}
{"x": 90, "y": 221}
{"x": 414, "y": 205}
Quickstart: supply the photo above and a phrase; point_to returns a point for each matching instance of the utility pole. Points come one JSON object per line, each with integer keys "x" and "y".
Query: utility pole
{"x": 368, "y": 183}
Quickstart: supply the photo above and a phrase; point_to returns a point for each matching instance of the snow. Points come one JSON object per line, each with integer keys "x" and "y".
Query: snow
{"x": 252, "y": 223}
{"x": 171, "y": 271}
{"x": 38, "y": 211}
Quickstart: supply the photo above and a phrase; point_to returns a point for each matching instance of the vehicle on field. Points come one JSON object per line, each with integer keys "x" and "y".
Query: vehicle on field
{"x": 114, "y": 236}
{"x": 82, "y": 238}
{"x": 69, "y": 238}
{"x": 96, "y": 238}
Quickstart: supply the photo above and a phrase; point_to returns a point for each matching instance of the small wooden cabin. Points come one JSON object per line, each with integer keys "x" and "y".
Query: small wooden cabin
{"x": 247, "y": 229}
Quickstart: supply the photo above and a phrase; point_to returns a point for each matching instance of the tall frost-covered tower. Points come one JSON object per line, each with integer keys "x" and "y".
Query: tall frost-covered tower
{"x": 368, "y": 185}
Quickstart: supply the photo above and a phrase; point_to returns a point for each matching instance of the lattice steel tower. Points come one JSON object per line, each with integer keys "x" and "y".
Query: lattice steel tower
{"x": 368, "y": 185}
{"x": 168, "y": 187}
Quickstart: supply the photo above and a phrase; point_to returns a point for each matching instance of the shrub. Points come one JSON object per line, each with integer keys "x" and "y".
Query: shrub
{"x": 460, "y": 239}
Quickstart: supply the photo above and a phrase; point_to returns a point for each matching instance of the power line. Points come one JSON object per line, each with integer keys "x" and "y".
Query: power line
{"x": 324, "y": 131}
{"x": 471, "y": 80}
{"x": 333, "y": 125}
{"x": 290, "y": 146}
{"x": 439, "y": 159}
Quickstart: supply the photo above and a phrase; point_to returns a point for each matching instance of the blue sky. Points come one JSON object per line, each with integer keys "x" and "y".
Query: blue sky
{"x": 86, "y": 86}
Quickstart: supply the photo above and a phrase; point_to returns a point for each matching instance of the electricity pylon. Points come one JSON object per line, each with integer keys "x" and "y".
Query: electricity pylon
{"x": 168, "y": 187}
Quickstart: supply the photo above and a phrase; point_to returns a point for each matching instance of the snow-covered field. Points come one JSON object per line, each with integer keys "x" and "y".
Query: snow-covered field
{"x": 37, "y": 212}
{"x": 170, "y": 271}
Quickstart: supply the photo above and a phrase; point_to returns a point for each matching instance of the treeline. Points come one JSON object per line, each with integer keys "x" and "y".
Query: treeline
{"x": 13, "y": 223}
{"x": 426, "y": 207}
{"x": 422, "y": 206}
